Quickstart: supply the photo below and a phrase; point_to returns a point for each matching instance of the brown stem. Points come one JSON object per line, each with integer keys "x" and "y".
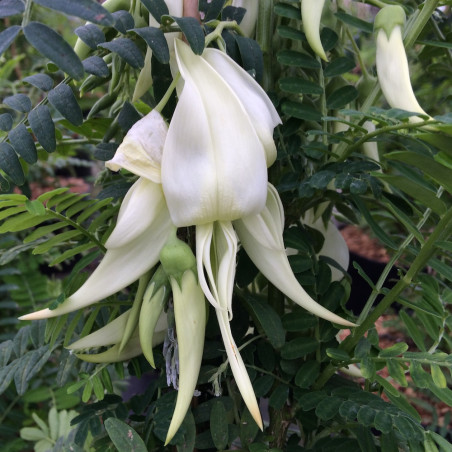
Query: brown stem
{"x": 279, "y": 424}
{"x": 191, "y": 9}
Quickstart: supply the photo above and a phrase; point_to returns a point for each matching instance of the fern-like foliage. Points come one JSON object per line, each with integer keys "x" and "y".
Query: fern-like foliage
{"x": 58, "y": 222}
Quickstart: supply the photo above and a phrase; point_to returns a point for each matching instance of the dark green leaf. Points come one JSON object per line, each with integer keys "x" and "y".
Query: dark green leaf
{"x": 337, "y": 354}
{"x": 7, "y": 36}
{"x": 29, "y": 365}
{"x": 365, "y": 439}
{"x": 123, "y": 21}
{"x": 394, "y": 350}
{"x": 219, "y": 425}
{"x": 362, "y": 25}
{"x": 290, "y": 33}
{"x": 124, "y": 437}
{"x": 41, "y": 81}
{"x": 301, "y": 111}
{"x": 157, "y": 8}
{"x": 105, "y": 151}
{"x": 420, "y": 377}
{"x": 427, "y": 165}
{"x": 341, "y": 97}
{"x": 23, "y": 143}
{"x": 413, "y": 329}
{"x": 155, "y": 39}
{"x": 418, "y": 192}
{"x": 91, "y": 35}
{"x": 379, "y": 232}
{"x": 193, "y": 31}
{"x": 96, "y": 66}
{"x": 299, "y": 86}
{"x": 339, "y": 66}
{"x": 329, "y": 38}
{"x": 43, "y": 127}
{"x": 366, "y": 416}
{"x": 128, "y": 116}
{"x": 278, "y": 397}
{"x": 63, "y": 99}
{"x": 298, "y": 321}
{"x": 55, "y": 48}
{"x": 349, "y": 410}
{"x": 310, "y": 400}
{"x": 233, "y": 13}
{"x": 262, "y": 385}
{"x": 251, "y": 56}
{"x": 299, "y": 347}
{"x": 269, "y": 320}
{"x": 6, "y": 122}
{"x": 127, "y": 50}
{"x": 405, "y": 427}
{"x": 328, "y": 408}
{"x": 300, "y": 263}
{"x": 18, "y": 102}
{"x": 307, "y": 374}
{"x": 321, "y": 179}
{"x": 284, "y": 10}
{"x": 297, "y": 59}
{"x": 85, "y": 9}
{"x": 9, "y": 163}
{"x": 11, "y": 7}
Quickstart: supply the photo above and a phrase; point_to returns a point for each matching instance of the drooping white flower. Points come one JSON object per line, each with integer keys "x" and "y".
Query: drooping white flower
{"x": 311, "y": 13}
{"x": 391, "y": 60}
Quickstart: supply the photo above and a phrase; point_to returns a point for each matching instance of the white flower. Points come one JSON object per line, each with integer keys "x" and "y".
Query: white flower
{"x": 392, "y": 63}
{"x": 213, "y": 175}
{"x": 311, "y": 13}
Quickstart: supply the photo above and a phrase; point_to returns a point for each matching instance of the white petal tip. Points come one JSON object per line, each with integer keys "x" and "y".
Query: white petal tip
{"x": 38, "y": 315}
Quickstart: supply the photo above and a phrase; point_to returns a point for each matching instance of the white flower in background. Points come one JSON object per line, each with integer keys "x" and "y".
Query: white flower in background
{"x": 311, "y": 13}
{"x": 208, "y": 170}
{"x": 392, "y": 63}
{"x": 334, "y": 245}
{"x": 144, "y": 81}
{"x": 248, "y": 23}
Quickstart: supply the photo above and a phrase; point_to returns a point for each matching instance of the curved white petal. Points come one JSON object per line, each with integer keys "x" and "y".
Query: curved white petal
{"x": 238, "y": 368}
{"x": 334, "y": 245}
{"x": 257, "y": 104}
{"x": 393, "y": 71}
{"x": 108, "y": 335}
{"x": 119, "y": 268}
{"x": 213, "y": 164}
{"x": 311, "y": 13}
{"x": 216, "y": 250}
{"x": 143, "y": 204}
{"x": 272, "y": 262}
{"x": 190, "y": 317}
{"x": 142, "y": 147}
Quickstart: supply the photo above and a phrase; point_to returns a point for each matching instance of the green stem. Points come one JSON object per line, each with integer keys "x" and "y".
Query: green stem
{"x": 418, "y": 25}
{"x": 164, "y": 100}
{"x": 27, "y": 13}
{"x": 382, "y": 130}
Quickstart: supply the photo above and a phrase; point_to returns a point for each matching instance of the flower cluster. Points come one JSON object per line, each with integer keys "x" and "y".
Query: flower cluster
{"x": 207, "y": 169}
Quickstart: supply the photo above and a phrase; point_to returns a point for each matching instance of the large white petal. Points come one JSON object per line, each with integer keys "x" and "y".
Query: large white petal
{"x": 393, "y": 71}
{"x": 272, "y": 262}
{"x": 213, "y": 164}
{"x": 238, "y": 368}
{"x": 142, "y": 147}
{"x": 257, "y": 104}
{"x": 141, "y": 207}
{"x": 119, "y": 268}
